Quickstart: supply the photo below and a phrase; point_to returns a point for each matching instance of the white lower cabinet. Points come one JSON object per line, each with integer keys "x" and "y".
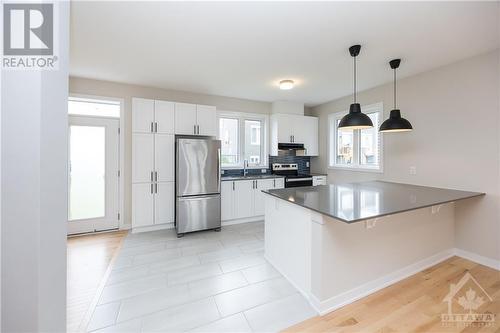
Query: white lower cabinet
{"x": 142, "y": 204}
{"x": 152, "y": 204}
{"x": 241, "y": 199}
{"x": 164, "y": 203}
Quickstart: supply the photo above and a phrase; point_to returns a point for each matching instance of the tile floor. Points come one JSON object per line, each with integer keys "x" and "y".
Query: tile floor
{"x": 204, "y": 282}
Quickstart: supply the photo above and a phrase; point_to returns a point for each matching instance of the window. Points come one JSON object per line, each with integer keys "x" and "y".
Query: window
{"x": 228, "y": 134}
{"x": 356, "y": 149}
{"x": 243, "y": 138}
{"x": 93, "y": 107}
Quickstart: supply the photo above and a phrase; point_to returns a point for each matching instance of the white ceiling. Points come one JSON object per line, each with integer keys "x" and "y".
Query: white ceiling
{"x": 243, "y": 49}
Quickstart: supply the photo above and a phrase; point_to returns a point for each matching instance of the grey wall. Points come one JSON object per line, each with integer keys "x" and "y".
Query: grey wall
{"x": 34, "y": 193}
{"x": 127, "y": 91}
{"x": 455, "y": 144}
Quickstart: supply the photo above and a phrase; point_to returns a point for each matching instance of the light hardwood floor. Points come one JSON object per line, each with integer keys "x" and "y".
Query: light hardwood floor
{"x": 414, "y": 304}
{"x": 88, "y": 259}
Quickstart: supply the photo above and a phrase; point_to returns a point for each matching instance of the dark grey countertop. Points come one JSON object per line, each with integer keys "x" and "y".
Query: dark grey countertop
{"x": 353, "y": 202}
{"x": 249, "y": 177}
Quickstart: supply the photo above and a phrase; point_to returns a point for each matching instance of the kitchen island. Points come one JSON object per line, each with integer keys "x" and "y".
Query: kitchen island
{"x": 337, "y": 243}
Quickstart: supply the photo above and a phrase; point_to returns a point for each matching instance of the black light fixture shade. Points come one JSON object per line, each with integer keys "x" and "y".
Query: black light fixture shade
{"x": 395, "y": 123}
{"x": 355, "y": 119}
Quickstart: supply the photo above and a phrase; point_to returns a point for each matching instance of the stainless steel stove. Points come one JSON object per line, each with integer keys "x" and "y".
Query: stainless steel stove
{"x": 292, "y": 176}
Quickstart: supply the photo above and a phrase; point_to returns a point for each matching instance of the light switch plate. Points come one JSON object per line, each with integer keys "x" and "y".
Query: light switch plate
{"x": 307, "y": 164}
{"x": 413, "y": 170}
{"x": 222, "y": 172}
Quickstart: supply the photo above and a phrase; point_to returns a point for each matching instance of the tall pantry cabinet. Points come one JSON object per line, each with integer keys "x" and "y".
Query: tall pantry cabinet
{"x": 153, "y": 139}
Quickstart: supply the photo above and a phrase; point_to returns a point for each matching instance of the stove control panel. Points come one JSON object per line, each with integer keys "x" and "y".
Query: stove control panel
{"x": 283, "y": 167}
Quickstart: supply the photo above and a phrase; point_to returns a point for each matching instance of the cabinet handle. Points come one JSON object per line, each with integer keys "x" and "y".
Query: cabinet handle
{"x": 233, "y": 186}
{"x": 156, "y": 127}
{"x": 151, "y": 175}
{"x": 156, "y": 176}
{"x": 151, "y": 188}
{"x": 198, "y": 127}
{"x": 156, "y": 187}
{"x": 151, "y": 127}
{"x": 274, "y": 182}
{"x": 194, "y": 129}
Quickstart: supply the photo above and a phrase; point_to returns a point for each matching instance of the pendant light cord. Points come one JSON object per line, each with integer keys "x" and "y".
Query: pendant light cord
{"x": 394, "y": 88}
{"x": 354, "y": 79}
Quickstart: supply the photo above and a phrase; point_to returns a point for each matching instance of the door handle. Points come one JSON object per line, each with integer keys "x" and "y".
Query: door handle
{"x": 151, "y": 127}
{"x": 156, "y": 127}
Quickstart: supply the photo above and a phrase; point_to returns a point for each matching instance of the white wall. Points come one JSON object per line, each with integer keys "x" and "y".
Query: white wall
{"x": 34, "y": 194}
{"x": 127, "y": 91}
{"x": 455, "y": 143}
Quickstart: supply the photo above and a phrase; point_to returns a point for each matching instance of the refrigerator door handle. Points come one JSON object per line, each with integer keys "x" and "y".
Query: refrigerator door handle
{"x": 219, "y": 169}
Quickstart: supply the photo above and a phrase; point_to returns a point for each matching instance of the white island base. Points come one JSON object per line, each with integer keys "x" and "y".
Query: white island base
{"x": 333, "y": 263}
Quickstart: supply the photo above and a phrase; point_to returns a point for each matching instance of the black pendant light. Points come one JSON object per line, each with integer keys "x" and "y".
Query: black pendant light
{"x": 355, "y": 119}
{"x": 395, "y": 123}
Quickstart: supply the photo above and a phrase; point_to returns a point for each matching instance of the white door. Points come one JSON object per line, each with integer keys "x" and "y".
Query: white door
{"x": 185, "y": 118}
{"x": 142, "y": 157}
{"x": 164, "y": 157}
{"x": 93, "y": 174}
{"x": 285, "y": 127}
{"x": 142, "y": 115}
{"x": 164, "y": 202}
{"x": 207, "y": 120}
{"x": 262, "y": 184}
{"x": 164, "y": 117}
{"x": 226, "y": 201}
{"x": 142, "y": 204}
{"x": 243, "y": 199}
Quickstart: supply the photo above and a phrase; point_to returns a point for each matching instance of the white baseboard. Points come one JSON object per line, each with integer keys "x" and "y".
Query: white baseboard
{"x": 152, "y": 228}
{"x": 366, "y": 289}
{"x": 492, "y": 263}
{"x": 244, "y": 220}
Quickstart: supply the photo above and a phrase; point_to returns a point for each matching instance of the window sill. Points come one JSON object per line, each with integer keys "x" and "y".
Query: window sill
{"x": 356, "y": 169}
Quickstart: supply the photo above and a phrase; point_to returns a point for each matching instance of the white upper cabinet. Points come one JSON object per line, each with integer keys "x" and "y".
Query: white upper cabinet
{"x": 287, "y": 128}
{"x": 206, "y": 120}
{"x": 164, "y": 117}
{"x": 142, "y": 115}
{"x": 192, "y": 119}
{"x": 185, "y": 119}
{"x": 164, "y": 157}
{"x": 142, "y": 157}
{"x": 307, "y": 133}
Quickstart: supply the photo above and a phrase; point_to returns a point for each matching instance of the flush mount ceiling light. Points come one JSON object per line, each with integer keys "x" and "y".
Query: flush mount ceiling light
{"x": 355, "y": 119}
{"x": 286, "y": 84}
{"x": 395, "y": 123}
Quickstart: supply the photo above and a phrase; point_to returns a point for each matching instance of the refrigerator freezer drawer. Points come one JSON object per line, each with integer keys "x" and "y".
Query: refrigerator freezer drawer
{"x": 197, "y": 213}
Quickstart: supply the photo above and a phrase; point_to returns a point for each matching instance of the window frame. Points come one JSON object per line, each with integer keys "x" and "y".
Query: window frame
{"x": 264, "y": 135}
{"x": 332, "y": 142}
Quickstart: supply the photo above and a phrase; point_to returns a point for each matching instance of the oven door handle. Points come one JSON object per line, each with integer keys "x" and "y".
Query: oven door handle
{"x": 298, "y": 180}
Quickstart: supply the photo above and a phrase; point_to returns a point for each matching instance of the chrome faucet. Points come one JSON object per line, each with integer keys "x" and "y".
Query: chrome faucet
{"x": 245, "y": 166}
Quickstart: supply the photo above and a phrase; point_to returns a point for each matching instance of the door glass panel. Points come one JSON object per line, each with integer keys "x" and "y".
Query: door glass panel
{"x": 87, "y": 172}
{"x": 90, "y": 107}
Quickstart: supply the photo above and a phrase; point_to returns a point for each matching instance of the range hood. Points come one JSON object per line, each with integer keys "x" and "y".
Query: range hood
{"x": 291, "y": 149}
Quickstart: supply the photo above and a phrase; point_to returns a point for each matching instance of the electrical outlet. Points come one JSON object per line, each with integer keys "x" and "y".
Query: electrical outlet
{"x": 413, "y": 170}
{"x": 222, "y": 172}
{"x": 263, "y": 170}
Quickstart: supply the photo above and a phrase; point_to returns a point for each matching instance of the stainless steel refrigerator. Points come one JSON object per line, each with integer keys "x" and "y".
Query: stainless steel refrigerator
{"x": 197, "y": 163}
